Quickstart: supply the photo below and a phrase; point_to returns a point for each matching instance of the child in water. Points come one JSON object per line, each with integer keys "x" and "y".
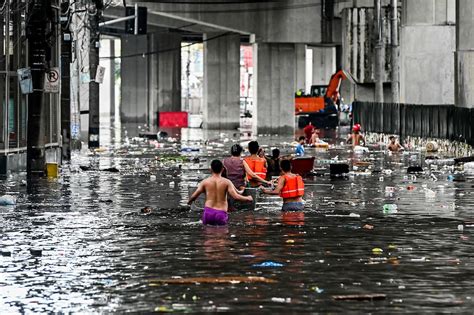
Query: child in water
{"x": 290, "y": 187}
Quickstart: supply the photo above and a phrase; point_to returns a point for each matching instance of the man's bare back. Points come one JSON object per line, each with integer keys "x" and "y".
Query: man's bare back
{"x": 216, "y": 189}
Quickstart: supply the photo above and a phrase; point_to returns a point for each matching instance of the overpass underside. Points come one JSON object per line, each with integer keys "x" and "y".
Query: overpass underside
{"x": 279, "y": 33}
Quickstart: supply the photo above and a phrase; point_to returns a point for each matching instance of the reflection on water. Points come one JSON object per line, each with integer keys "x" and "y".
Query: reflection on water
{"x": 100, "y": 254}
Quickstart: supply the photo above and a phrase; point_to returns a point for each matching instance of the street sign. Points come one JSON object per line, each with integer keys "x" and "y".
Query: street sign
{"x": 51, "y": 80}
{"x": 99, "y": 76}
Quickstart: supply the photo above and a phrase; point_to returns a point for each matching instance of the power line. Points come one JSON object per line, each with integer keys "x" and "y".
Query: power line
{"x": 214, "y": 2}
{"x": 279, "y": 8}
{"x": 157, "y": 52}
{"x": 257, "y": 9}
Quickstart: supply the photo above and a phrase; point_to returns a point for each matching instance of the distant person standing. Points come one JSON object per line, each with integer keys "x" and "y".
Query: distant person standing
{"x": 308, "y": 131}
{"x": 216, "y": 189}
{"x": 290, "y": 187}
{"x": 315, "y": 138}
{"x": 300, "y": 147}
{"x": 356, "y": 139}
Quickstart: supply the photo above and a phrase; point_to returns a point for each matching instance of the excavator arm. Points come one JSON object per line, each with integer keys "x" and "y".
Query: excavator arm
{"x": 311, "y": 104}
{"x": 334, "y": 84}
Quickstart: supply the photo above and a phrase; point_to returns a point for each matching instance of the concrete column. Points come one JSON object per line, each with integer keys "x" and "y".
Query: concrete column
{"x": 426, "y": 67}
{"x": 464, "y": 63}
{"x": 221, "y": 106}
{"x": 324, "y": 64}
{"x": 107, "y": 90}
{"x": 300, "y": 69}
{"x": 134, "y": 73}
{"x": 274, "y": 82}
{"x": 164, "y": 75}
{"x": 379, "y": 52}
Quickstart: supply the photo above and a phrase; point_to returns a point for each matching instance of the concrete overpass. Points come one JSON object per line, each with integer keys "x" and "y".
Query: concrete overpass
{"x": 339, "y": 32}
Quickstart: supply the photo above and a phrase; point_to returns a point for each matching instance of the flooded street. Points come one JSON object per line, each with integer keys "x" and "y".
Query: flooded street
{"x": 79, "y": 243}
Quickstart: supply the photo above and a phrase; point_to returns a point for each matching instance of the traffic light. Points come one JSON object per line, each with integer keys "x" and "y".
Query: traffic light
{"x": 142, "y": 20}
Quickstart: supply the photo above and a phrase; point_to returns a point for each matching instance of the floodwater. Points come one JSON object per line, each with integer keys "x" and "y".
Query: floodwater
{"x": 100, "y": 254}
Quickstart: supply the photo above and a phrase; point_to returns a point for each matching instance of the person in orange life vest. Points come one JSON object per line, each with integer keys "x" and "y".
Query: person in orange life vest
{"x": 257, "y": 165}
{"x": 290, "y": 187}
{"x": 236, "y": 169}
{"x": 356, "y": 138}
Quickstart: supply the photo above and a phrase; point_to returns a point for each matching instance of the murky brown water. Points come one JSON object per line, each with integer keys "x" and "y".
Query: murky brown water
{"x": 99, "y": 254}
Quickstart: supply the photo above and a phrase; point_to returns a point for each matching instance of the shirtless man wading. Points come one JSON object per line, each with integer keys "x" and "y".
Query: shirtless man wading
{"x": 216, "y": 189}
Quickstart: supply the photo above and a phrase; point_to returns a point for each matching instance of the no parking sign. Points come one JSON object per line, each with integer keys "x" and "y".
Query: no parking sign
{"x": 51, "y": 80}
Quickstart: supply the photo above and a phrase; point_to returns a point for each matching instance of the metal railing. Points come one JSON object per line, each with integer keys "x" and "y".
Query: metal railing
{"x": 410, "y": 120}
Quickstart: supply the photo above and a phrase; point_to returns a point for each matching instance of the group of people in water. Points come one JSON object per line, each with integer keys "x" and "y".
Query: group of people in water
{"x": 230, "y": 177}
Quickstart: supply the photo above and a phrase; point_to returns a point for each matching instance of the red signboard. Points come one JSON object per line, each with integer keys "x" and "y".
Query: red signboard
{"x": 173, "y": 119}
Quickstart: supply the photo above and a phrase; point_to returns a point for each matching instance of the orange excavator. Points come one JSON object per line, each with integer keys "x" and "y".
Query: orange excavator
{"x": 322, "y": 97}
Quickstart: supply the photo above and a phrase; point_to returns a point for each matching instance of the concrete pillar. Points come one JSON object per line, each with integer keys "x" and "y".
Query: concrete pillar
{"x": 300, "y": 69}
{"x": 134, "y": 73}
{"x": 274, "y": 82}
{"x": 464, "y": 64}
{"x": 324, "y": 64}
{"x": 221, "y": 106}
{"x": 107, "y": 89}
{"x": 379, "y": 52}
{"x": 426, "y": 67}
{"x": 164, "y": 75}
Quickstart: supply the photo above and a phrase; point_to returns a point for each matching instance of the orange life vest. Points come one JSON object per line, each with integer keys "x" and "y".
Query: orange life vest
{"x": 294, "y": 187}
{"x": 257, "y": 166}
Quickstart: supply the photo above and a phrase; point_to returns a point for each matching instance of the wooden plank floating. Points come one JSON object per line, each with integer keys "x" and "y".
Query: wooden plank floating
{"x": 359, "y": 297}
{"x": 218, "y": 280}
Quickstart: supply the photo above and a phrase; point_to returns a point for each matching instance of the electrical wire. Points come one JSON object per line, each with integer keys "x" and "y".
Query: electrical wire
{"x": 157, "y": 52}
{"x": 214, "y": 2}
{"x": 280, "y": 8}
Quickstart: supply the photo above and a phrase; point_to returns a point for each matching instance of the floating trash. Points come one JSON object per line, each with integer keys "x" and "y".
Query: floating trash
{"x": 359, "y": 297}
{"x": 377, "y": 250}
{"x": 317, "y": 289}
{"x": 7, "y": 200}
{"x": 36, "y": 252}
{"x": 281, "y": 300}
{"x": 390, "y": 208}
{"x": 389, "y": 189}
{"x": 217, "y": 280}
{"x": 268, "y": 264}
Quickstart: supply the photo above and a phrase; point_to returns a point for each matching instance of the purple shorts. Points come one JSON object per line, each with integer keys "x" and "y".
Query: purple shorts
{"x": 214, "y": 217}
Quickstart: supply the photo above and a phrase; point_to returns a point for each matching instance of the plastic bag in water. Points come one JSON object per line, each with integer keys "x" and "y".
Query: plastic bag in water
{"x": 7, "y": 200}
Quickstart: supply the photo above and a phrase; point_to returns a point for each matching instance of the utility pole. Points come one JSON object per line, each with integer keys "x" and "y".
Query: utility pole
{"x": 379, "y": 68}
{"x": 38, "y": 50}
{"x": 6, "y": 109}
{"x": 395, "y": 54}
{"x": 66, "y": 57}
{"x": 94, "y": 44}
